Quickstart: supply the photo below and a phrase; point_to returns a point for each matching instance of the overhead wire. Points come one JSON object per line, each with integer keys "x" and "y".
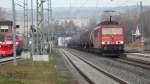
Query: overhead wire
{"x": 84, "y": 3}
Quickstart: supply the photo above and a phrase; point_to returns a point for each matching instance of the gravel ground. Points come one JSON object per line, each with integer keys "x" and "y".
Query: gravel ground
{"x": 70, "y": 68}
{"x": 129, "y": 73}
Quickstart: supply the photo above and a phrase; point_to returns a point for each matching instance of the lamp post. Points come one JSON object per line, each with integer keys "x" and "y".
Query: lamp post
{"x": 141, "y": 25}
{"x": 14, "y": 32}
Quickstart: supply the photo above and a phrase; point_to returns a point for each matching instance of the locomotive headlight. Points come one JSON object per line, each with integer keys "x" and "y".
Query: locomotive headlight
{"x": 108, "y": 42}
{"x": 103, "y": 42}
{"x": 30, "y": 42}
{"x": 121, "y": 42}
{"x": 117, "y": 42}
{"x": 17, "y": 43}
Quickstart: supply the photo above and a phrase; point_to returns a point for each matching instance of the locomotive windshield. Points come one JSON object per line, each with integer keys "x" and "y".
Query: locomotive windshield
{"x": 112, "y": 31}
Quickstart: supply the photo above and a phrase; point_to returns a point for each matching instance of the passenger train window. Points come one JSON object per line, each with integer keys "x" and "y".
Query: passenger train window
{"x": 3, "y": 30}
{"x": 6, "y": 30}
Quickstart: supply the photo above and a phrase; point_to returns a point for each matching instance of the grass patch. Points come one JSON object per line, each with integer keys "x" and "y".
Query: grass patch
{"x": 29, "y": 72}
{"x": 64, "y": 79}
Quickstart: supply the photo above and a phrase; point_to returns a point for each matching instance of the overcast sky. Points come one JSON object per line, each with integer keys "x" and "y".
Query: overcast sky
{"x": 81, "y": 3}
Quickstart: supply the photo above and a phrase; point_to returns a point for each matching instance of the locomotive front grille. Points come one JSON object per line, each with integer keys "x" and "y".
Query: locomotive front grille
{"x": 112, "y": 47}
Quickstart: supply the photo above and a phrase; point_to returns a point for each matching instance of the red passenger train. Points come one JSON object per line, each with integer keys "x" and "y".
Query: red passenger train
{"x": 6, "y": 45}
{"x": 107, "y": 38}
{"x": 6, "y": 40}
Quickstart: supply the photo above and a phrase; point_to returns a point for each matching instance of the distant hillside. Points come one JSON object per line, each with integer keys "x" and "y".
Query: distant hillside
{"x": 77, "y": 12}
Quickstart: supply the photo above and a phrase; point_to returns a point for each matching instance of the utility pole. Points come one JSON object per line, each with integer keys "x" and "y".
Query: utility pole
{"x": 27, "y": 25}
{"x": 24, "y": 16}
{"x": 48, "y": 31}
{"x": 40, "y": 22}
{"x": 141, "y": 21}
{"x": 37, "y": 25}
{"x": 49, "y": 23}
{"x": 25, "y": 31}
{"x": 32, "y": 50}
{"x": 70, "y": 17}
{"x": 14, "y": 32}
{"x": 141, "y": 25}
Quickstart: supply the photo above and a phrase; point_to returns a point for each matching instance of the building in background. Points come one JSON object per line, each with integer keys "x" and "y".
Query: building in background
{"x": 137, "y": 35}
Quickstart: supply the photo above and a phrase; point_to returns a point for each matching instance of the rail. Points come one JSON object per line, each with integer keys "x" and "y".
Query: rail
{"x": 7, "y": 60}
{"x": 92, "y": 69}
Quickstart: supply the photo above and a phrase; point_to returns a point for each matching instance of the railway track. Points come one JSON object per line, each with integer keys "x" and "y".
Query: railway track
{"x": 140, "y": 54}
{"x": 128, "y": 70}
{"x": 139, "y": 57}
{"x": 7, "y": 60}
{"x": 91, "y": 72}
{"x": 139, "y": 60}
{"x": 135, "y": 59}
{"x": 134, "y": 62}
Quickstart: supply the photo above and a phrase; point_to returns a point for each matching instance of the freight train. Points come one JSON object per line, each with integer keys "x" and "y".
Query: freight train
{"x": 107, "y": 38}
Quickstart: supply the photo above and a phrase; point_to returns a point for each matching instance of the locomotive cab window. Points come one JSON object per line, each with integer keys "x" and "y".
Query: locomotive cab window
{"x": 112, "y": 31}
{"x": 96, "y": 33}
{"x": 3, "y": 30}
{"x": 6, "y": 30}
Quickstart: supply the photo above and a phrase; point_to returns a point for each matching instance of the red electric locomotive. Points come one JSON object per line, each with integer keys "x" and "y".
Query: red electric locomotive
{"x": 107, "y": 38}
